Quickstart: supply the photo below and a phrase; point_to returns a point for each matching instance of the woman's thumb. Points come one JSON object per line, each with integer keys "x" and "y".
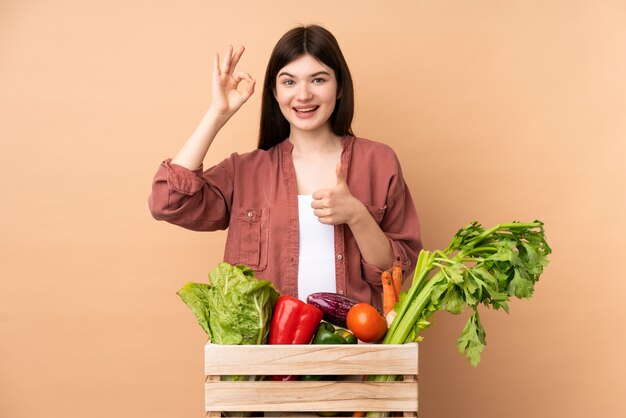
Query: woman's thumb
{"x": 341, "y": 177}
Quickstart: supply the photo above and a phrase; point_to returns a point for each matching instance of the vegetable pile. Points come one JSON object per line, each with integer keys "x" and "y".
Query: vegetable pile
{"x": 479, "y": 267}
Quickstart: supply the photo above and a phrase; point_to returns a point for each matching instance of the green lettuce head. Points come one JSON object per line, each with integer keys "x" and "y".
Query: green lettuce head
{"x": 234, "y": 307}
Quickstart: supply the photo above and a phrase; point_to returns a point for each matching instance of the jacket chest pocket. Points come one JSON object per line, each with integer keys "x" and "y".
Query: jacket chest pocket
{"x": 248, "y": 238}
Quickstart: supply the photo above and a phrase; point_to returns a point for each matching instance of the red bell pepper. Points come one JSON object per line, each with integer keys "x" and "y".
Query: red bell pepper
{"x": 293, "y": 322}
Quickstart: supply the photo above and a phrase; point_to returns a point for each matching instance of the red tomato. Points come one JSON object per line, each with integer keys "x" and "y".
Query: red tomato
{"x": 366, "y": 323}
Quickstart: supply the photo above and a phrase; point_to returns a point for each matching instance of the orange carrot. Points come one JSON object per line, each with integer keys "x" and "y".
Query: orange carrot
{"x": 396, "y": 277}
{"x": 389, "y": 294}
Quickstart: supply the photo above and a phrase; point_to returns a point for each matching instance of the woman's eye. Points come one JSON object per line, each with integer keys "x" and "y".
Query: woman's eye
{"x": 318, "y": 80}
{"x": 289, "y": 82}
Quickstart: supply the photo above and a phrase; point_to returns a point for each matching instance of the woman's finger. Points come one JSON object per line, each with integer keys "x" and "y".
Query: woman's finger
{"x": 326, "y": 220}
{"x": 319, "y": 203}
{"x": 322, "y": 213}
{"x": 235, "y": 59}
{"x": 320, "y": 194}
{"x": 227, "y": 60}
{"x": 241, "y": 75}
{"x": 248, "y": 92}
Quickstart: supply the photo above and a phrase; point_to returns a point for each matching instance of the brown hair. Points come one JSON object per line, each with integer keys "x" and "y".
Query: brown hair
{"x": 322, "y": 45}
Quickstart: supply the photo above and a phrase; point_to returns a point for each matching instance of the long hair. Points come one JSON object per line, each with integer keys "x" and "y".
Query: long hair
{"x": 322, "y": 45}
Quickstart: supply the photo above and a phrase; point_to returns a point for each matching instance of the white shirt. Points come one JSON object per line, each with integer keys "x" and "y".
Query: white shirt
{"x": 316, "y": 267}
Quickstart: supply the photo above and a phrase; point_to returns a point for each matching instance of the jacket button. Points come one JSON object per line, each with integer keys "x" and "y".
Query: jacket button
{"x": 340, "y": 292}
{"x": 340, "y": 257}
{"x": 250, "y": 214}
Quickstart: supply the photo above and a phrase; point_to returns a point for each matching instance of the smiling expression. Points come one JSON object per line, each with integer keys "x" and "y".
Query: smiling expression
{"x": 306, "y": 92}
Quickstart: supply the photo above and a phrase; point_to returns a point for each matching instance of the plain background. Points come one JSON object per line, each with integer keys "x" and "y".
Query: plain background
{"x": 498, "y": 110}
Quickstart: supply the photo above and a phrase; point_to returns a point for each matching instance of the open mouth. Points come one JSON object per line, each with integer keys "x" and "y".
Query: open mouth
{"x": 307, "y": 109}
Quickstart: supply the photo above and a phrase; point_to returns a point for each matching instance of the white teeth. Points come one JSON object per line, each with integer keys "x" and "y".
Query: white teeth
{"x": 306, "y": 109}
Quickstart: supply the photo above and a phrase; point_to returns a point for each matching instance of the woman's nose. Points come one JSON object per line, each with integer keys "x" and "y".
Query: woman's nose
{"x": 304, "y": 92}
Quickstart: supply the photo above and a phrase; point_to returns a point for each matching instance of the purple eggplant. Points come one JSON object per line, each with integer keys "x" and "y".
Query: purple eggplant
{"x": 334, "y": 306}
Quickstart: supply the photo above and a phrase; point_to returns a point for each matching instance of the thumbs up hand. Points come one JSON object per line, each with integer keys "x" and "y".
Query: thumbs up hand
{"x": 336, "y": 205}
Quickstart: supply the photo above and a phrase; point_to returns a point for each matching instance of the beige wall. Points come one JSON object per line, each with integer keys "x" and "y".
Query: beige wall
{"x": 499, "y": 111}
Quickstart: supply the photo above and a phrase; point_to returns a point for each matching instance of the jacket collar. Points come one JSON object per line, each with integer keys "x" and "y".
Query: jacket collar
{"x": 287, "y": 146}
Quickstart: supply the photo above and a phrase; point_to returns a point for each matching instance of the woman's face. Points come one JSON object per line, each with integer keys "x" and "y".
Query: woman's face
{"x": 306, "y": 92}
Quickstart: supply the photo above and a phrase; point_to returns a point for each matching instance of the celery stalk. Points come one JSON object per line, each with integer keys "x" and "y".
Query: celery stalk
{"x": 479, "y": 266}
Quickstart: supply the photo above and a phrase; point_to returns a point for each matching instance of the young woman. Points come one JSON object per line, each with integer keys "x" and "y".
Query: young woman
{"x": 314, "y": 208}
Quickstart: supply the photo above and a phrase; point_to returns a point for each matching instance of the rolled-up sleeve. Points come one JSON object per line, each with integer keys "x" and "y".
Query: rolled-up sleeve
{"x": 400, "y": 223}
{"x": 192, "y": 199}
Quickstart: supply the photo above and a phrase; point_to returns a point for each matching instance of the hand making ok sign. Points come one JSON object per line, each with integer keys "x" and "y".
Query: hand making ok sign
{"x": 226, "y": 99}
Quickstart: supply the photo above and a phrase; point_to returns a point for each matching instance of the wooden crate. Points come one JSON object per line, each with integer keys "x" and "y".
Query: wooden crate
{"x": 301, "y": 396}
